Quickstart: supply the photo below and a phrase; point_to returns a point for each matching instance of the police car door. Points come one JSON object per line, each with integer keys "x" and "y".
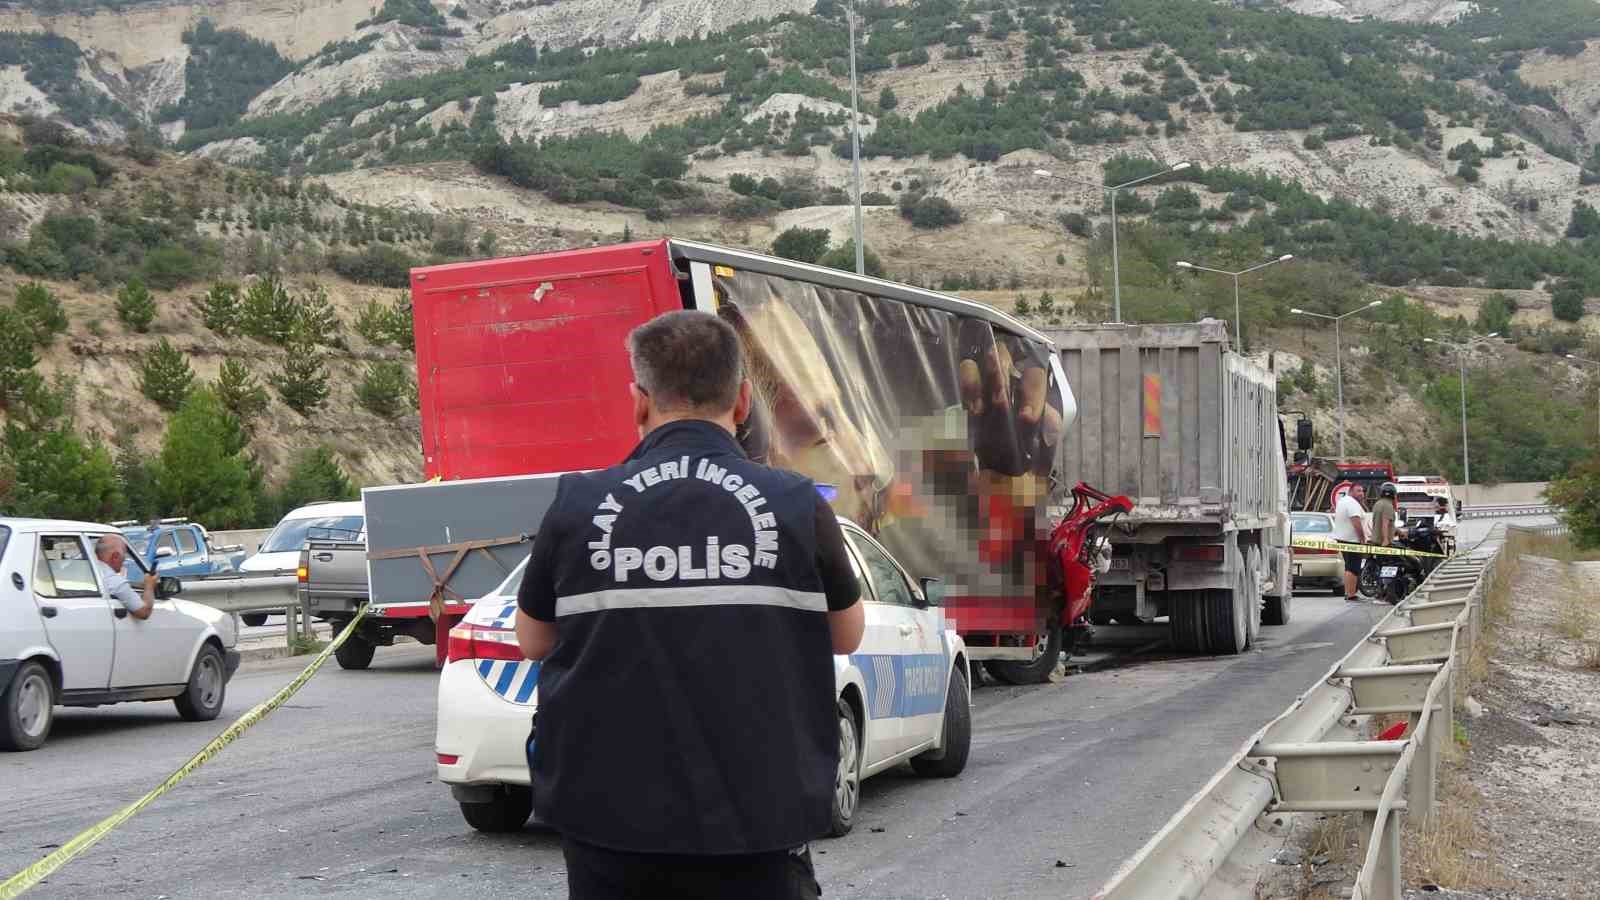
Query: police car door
{"x": 901, "y": 659}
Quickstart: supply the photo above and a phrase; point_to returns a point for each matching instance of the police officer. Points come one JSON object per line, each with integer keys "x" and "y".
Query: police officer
{"x": 686, "y": 604}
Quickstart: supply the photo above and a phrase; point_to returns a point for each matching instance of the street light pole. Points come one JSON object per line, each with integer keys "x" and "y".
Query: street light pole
{"x": 1238, "y": 316}
{"x": 1462, "y": 350}
{"x": 855, "y": 146}
{"x": 1590, "y": 362}
{"x": 1116, "y": 262}
{"x": 1338, "y": 353}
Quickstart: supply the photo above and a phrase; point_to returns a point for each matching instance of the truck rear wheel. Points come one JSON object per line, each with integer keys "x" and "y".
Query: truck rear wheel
{"x": 1209, "y": 622}
{"x": 255, "y": 619}
{"x": 355, "y": 653}
{"x": 1047, "y": 650}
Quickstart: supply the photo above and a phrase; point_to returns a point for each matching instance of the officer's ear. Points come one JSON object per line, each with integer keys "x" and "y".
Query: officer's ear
{"x": 741, "y": 407}
{"x": 641, "y": 407}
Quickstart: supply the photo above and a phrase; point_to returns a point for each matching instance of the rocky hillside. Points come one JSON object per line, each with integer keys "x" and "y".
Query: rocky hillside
{"x": 1440, "y": 154}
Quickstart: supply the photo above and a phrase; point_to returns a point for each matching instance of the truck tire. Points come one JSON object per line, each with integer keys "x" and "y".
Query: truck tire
{"x": 1275, "y": 610}
{"x": 1250, "y": 583}
{"x": 508, "y": 811}
{"x": 254, "y": 620}
{"x": 355, "y": 653}
{"x": 1227, "y": 629}
{"x": 201, "y": 700}
{"x": 27, "y": 708}
{"x": 951, "y": 757}
{"x": 1186, "y": 622}
{"x": 1036, "y": 670}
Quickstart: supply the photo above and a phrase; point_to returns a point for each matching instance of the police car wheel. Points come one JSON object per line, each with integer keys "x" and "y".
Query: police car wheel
{"x": 508, "y": 811}
{"x": 847, "y": 782}
{"x": 951, "y": 757}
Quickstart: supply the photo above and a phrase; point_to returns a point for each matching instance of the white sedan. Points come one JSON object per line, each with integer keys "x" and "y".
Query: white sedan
{"x": 64, "y": 642}
{"x": 902, "y": 696}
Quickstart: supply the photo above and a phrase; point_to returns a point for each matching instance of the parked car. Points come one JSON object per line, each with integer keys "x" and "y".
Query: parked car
{"x": 1314, "y": 566}
{"x": 183, "y": 548}
{"x": 64, "y": 642}
{"x": 488, "y": 692}
{"x": 338, "y": 520}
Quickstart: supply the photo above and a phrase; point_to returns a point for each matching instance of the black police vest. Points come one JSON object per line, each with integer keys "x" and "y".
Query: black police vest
{"x": 689, "y": 705}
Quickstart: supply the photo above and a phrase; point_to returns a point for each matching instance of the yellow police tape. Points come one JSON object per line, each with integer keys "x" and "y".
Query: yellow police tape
{"x": 44, "y": 868}
{"x": 1363, "y": 549}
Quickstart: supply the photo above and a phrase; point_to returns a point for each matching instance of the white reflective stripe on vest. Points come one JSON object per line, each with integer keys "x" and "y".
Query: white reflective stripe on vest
{"x": 709, "y": 595}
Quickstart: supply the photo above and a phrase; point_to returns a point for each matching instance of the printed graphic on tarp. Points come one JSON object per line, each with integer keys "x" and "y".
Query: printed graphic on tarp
{"x": 937, "y": 430}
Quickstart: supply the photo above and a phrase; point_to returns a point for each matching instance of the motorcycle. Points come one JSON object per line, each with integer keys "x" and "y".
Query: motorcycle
{"x": 1393, "y": 578}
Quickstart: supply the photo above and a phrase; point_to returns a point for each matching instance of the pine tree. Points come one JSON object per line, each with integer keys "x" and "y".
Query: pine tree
{"x": 17, "y": 356}
{"x": 165, "y": 376}
{"x": 384, "y": 388}
{"x": 240, "y": 393}
{"x": 204, "y": 473}
{"x": 42, "y": 312}
{"x": 1023, "y": 307}
{"x": 219, "y": 308}
{"x": 135, "y": 307}
{"x": 303, "y": 380}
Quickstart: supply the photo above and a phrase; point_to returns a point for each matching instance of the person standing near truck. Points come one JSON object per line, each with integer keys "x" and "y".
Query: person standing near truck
{"x": 688, "y": 601}
{"x": 1349, "y": 527}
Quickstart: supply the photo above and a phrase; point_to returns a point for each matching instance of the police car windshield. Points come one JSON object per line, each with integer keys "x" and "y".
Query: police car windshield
{"x": 508, "y": 588}
{"x": 291, "y": 534}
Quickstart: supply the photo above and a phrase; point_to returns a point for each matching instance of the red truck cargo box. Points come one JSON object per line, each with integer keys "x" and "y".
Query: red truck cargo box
{"x": 513, "y": 354}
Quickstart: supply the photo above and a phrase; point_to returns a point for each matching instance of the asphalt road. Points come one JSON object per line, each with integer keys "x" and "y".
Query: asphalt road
{"x": 334, "y": 794}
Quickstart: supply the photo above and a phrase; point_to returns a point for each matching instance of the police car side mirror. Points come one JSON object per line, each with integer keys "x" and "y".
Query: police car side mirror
{"x": 168, "y": 587}
{"x": 933, "y": 591}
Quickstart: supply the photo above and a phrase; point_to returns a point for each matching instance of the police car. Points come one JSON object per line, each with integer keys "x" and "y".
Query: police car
{"x": 903, "y": 696}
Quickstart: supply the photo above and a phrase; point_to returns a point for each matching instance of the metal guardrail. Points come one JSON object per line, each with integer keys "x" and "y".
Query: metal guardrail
{"x": 1509, "y": 510}
{"x": 1313, "y": 757}
{"x": 253, "y": 592}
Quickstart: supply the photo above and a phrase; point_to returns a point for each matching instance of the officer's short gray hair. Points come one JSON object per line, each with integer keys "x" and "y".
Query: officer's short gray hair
{"x": 108, "y": 544}
{"x": 687, "y": 361}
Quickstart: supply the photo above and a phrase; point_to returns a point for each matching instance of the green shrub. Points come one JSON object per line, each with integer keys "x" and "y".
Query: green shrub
{"x": 843, "y": 258}
{"x": 314, "y": 475}
{"x": 929, "y": 212}
{"x": 165, "y": 376}
{"x": 135, "y": 307}
{"x": 381, "y": 264}
{"x": 1566, "y": 304}
{"x": 42, "y": 311}
{"x": 169, "y": 266}
{"x": 802, "y": 244}
{"x": 384, "y": 389}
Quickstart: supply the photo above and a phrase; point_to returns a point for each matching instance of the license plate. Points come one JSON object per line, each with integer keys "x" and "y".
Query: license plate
{"x": 1121, "y": 564}
{"x": 1388, "y": 571}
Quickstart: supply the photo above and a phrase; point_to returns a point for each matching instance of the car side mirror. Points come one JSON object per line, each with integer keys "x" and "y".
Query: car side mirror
{"x": 168, "y": 587}
{"x": 164, "y": 552}
{"x": 1304, "y": 436}
{"x": 933, "y": 591}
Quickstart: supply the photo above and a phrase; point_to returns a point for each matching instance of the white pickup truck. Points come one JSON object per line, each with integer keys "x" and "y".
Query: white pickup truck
{"x": 65, "y": 642}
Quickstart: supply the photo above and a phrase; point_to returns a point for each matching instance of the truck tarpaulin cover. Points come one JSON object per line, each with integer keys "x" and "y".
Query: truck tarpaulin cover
{"x": 938, "y": 431}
